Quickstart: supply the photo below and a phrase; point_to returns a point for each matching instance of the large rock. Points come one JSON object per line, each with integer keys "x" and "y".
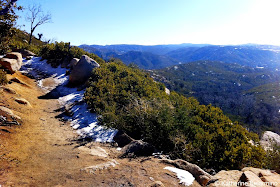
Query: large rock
{"x": 226, "y": 178}
{"x": 82, "y": 71}
{"x": 269, "y": 138}
{"x": 11, "y": 65}
{"x": 12, "y": 61}
{"x": 249, "y": 178}
{"x": 14, "y": 55}
{"x": 122, "y": 139}
{"x": 8, "y": 114}
{"x": 199, "y": 174}
{"x": 137, "y": 148}
{"x": 265, "y": 175}
{"x": 73, "y": 63}
{"x": 25, "y": 53}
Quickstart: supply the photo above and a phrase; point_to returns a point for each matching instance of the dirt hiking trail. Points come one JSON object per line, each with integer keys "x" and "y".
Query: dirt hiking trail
{"x": 45, "y": 151}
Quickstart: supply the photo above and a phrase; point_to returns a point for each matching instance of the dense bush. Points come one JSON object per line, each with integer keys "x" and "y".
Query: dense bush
{"x": 20, "y": 41}
{"x": 128, "y": 99}
{"x": 56, "y": 53}
{"x": 273, "y": 158}
{"x": 7, "y": 23}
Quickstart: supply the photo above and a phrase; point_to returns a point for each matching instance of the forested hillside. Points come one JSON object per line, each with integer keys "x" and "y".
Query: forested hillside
{"x": 250, "y": 95}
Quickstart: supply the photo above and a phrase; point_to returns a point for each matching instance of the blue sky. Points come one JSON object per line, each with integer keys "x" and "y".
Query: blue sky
{"x": 151, "y": 22}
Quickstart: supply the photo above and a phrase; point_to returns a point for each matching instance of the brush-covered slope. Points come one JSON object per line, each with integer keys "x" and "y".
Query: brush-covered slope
{"x": 127, "y": 98}
{"x": 250, "y": 94}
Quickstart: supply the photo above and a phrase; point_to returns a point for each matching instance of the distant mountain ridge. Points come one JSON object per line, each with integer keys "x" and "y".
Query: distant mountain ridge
{"x": 160, "y": 56}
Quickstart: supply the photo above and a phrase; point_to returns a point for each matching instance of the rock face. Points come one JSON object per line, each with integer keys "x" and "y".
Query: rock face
{"x": 73, "y": 63}
{"x": 269, "y": 138}
{"x": 82, "y": 71}
{"x": 137, "y": 148}
{"x": 12, "y": 62}
{"x": 200, "y": 175}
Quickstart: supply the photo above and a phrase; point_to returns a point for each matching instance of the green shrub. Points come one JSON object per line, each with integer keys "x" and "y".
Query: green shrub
{"x": 55, "y": 53}
{"x": 273, "y": 158}
{"x": 128, "y": 99}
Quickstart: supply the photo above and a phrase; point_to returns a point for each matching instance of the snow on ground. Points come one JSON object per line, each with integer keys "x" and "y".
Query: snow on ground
{"x": 186, "y": 178}
{"x": 83, "y": 121}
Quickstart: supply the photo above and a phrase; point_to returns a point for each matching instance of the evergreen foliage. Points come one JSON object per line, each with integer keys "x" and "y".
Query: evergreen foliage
{"x": 249, "y": 95}
{"x": 128, "y": 99}
{"x": 56, "y": 52}
{"x": 273, "y": 158}
{"x": 7, "y": 23}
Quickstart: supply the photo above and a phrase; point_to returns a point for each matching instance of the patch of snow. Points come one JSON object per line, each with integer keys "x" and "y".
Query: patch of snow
{"x": 85, "y": 122}
{"x": 186, "y": 178}
{"x": 259, "y": 67}
{"x": 175, "y": 67}
{"x": 119, "y": 149}
{"x": 167, "y": 91}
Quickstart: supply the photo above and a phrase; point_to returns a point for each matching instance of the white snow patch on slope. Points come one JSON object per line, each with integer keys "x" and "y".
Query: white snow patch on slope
{"x": 83, "y": 121}
{"x": 185, "y": 177}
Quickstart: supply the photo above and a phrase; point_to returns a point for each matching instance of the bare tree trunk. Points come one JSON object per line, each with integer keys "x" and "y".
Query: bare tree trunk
{"x": 30, "y": 38}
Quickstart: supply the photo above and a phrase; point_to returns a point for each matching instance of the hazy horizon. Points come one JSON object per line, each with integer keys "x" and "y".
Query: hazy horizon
{"x": 159, "y": 22}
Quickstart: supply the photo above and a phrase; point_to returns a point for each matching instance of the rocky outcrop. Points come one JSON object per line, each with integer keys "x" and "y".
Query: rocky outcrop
{"x": 122, "y": 139}
{"x": 265, "y": 175}
{"x": 25, "y": 53}
{"x": 137, "y": 148}
{"x": 82, "y": 71}
{"x": 8, "y": 114}
{"x": 12, "y": 62}
{"x": 247, "y": 177}
{"x": 224, "y": 178}
{"x": 199, "y": 174}
{"x": 73, "y": 62}
{"x": 269, "y": 138}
